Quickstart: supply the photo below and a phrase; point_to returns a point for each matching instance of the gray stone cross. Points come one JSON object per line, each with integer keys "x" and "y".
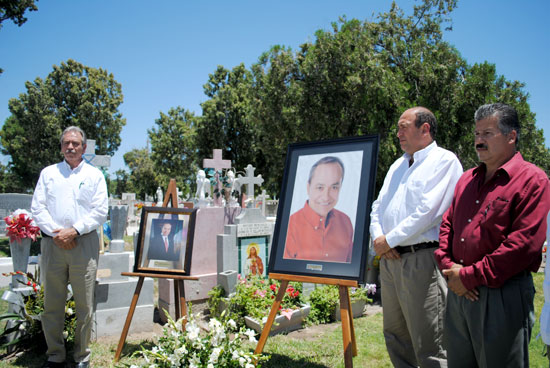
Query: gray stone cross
{"x": 96, "y": 160}
{"x": 250, "y": 180}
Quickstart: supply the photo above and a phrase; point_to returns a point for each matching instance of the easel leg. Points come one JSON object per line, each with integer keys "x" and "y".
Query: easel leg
{"x": 176, "y": 300}
{"x": 346, "y": 327}
{"x": 182, "y": 303}
{"x": 271, "y": 318}
{"x": 352, "y": 329}
{"x": 129, "y": 319}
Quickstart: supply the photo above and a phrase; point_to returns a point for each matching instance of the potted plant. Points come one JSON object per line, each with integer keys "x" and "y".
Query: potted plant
{"x": 21, "y": 229}
{"x": 221, "y": 345}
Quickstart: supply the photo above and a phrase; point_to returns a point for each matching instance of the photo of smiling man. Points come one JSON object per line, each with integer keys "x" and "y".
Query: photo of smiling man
{"x": 318, "y": 231}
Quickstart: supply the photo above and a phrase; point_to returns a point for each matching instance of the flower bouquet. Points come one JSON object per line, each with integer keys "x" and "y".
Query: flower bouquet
{"x": 26, "y": 322}
{"x": 20, "y": 225}
{"x": 221, "y": 345}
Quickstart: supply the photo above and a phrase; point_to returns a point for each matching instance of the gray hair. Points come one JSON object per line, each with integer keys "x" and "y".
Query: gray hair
{"x": 506, "y": 115}
{"x": 325, "y": 161}
{"x": 73, "y": 128}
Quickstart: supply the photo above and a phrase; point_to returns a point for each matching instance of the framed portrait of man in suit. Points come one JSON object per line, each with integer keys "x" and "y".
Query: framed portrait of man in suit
{"x": 165, "y": 240}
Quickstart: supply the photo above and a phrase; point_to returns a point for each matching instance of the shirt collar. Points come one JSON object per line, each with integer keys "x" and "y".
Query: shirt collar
{"x": 68, "y": 167}
{"x": 421, "y": 154}
{"x": 312, "y": 217}
{"x": 510, "y": 167}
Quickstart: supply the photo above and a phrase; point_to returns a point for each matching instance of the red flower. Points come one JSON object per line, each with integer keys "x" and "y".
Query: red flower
{"x": 20, "y": 225}
{"x": 273, "y": 287}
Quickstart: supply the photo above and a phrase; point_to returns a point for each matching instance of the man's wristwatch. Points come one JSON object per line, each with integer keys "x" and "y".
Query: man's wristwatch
{"x": 77, "y": 232}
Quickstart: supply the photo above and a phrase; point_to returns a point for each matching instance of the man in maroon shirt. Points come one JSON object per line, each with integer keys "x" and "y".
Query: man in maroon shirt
{"x": 490, "y": 241}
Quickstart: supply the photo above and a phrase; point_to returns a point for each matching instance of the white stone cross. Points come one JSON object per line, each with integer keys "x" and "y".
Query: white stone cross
{"x": 250, "y": 181}
{"x": 96, "y": 160}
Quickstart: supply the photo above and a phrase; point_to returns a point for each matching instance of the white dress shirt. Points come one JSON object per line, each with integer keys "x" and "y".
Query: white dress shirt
{"x": 412, "y": 200}
{"x": 65, "y": 198}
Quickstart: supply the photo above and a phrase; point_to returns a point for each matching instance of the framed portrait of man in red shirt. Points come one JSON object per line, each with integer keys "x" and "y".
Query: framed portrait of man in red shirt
{"x": 322, "y": 220}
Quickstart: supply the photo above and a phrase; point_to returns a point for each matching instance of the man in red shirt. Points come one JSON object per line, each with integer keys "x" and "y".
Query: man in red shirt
{"x": 318, "y": 231}
{"x": 489, "y": 243}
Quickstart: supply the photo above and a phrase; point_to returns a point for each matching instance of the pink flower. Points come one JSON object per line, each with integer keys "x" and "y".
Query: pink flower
{"x": 287, "y": 313}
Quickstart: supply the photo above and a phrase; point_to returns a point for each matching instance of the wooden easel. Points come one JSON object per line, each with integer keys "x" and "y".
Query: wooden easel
{"x": 179, "y": 291}
{"x": 348, "y": 332}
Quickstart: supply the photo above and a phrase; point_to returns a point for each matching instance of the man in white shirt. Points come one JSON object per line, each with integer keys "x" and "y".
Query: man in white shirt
{"x": 69, "y": 204}
{"x": 405, "y": 220}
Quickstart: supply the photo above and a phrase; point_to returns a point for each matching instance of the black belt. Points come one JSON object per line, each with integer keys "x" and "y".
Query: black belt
{"x": 416, "y": 247}
{"x": 44, "y": 235}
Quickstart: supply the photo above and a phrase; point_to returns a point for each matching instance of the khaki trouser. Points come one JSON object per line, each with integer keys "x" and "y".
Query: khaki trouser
{"x": 413, "y": 300}
{"x": 79, "y": 267}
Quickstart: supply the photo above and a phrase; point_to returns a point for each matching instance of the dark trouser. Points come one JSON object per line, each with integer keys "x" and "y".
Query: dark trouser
{"x": 493, "y": 331}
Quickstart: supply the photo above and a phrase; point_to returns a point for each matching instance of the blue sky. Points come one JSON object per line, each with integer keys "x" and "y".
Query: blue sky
{"x": 162, "y": 52}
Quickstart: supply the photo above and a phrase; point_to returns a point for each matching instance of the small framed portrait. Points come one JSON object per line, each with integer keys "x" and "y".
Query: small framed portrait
{"x": 323, "y": 216}
{"x": 165, "y": 240}
{"x": 253, "y": 256}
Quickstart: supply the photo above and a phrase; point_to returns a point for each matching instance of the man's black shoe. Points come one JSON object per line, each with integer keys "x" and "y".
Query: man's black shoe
{"x": 49, "y": 364}
{"x": 82, "y": 365}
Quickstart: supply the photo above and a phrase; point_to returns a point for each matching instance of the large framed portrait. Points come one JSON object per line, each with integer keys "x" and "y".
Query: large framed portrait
{"x": 165, "y": 240}
{"x": 253, "y": 255}
{"x": 322, "y": 226}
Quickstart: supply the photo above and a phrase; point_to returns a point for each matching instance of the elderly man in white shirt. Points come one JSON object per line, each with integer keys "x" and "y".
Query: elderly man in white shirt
{"x": 69, "y": 204}
{"x": 405, "y": 220}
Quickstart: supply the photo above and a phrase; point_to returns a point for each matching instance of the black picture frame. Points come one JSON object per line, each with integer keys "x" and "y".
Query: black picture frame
{"x": 339, "y": 260}
{"x": 172, "y": 256}
{"x": 248, "y": 264}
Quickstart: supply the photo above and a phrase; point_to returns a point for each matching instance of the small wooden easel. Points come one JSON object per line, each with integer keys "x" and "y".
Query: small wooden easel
{"x": 348, "y": 332}
{"x": 179, "y": 291}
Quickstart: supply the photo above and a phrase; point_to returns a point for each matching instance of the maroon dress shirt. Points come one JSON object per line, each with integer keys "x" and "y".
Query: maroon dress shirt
{"x": 496, "y": 230}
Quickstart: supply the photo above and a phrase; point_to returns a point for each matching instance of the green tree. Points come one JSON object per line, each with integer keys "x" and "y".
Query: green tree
{"x": 143, "y": 173}
{"x": 225, "y": 122}
{"x": 120, "y": 184}
{"x": 72, "y": 94}
{"x": 173, "y": 149}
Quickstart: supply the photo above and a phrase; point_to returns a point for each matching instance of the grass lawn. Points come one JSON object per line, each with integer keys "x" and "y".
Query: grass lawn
{"x": 317, "y": 351}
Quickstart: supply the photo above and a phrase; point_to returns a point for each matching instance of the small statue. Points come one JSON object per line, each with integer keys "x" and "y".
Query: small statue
{"x": 203, "y": 185}
{"x": 160, "y": 197}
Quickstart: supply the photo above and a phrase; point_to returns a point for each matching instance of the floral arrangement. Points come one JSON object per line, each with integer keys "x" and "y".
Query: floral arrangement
{"x": 221, "y": 345}
{"x": 28, "y": 318}
{"x": 20, "y": 225}
{"x": 254, "y": 298}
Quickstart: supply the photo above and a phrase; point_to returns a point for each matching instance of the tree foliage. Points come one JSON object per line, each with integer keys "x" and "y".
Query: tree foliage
{"x": 14, "y": 10}
{"x": 72, "y": 94}
{"x": 173, "y": 146}
{"x": 143, "y": 178}
{"x": 357, "y": 79}
{"x": 225, "y": 121}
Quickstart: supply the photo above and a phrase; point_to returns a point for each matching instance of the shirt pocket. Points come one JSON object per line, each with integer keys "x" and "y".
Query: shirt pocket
{"x": 85, "y": 192}
{"x": 497, "y": 213}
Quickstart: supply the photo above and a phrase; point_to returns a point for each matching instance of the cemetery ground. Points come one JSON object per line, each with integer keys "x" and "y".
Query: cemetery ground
{"x": 316, "y": 346}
